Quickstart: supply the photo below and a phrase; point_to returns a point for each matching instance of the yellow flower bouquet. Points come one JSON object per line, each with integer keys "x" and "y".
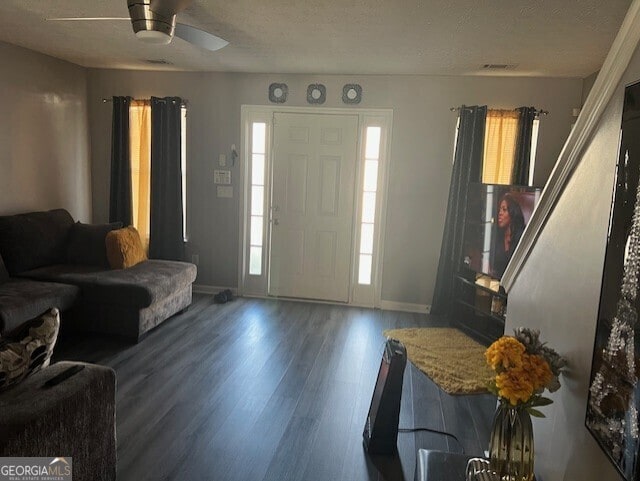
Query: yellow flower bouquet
{"x": 524, "y": 368}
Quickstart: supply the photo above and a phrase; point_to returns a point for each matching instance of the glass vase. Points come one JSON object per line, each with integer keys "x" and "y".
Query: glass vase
{"x": 511, "y": 444}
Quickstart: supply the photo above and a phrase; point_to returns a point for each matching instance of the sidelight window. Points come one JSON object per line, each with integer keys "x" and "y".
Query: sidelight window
{"x": 368, "y": 210}
{"x": 256, "y": 236}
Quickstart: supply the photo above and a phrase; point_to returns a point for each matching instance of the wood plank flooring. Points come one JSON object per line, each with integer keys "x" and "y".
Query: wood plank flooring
{"x": 270, "y": 390}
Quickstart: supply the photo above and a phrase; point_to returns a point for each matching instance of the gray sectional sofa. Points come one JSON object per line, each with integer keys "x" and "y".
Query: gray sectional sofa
{"x": 46, "y": 260}
{"x": 74, "y": 418}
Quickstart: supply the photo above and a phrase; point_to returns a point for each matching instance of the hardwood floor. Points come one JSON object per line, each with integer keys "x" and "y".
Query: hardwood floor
{"x": 270, "y": 390}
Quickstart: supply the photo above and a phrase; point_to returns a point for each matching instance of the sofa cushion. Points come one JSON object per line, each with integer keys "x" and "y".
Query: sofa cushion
{"x": 139, "y": 286}
{"x": 124, "y": 248}
{"x": 29, "y": 351}
{"x": 86, "y": 243}
{"x": 34, "y": 239}
{"x": 4, "y": 275}
{"x": 23, "y": 299}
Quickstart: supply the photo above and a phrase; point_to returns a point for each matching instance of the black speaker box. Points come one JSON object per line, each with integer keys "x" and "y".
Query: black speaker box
{"x": 381, "y": 429}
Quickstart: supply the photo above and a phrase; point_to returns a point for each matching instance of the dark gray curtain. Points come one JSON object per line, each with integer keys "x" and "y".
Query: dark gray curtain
{"x": 467, "y": 168}
{"x": 523, "y": 145}
{"x": 120, "y": 188}
{"x": 165, "y": 230}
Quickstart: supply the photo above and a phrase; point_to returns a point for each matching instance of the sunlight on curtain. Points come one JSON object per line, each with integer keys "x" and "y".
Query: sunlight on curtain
{"x": 140, "y": 132}
{"x": 499, "y": 146}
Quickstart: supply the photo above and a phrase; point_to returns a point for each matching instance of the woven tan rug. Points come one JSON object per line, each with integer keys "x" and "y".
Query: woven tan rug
{"x": 453, "y": 360}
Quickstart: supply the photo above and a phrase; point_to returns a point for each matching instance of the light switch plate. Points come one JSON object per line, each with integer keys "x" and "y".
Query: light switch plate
{"x": 225, "y": 191}
{"x": 222, "y": 160}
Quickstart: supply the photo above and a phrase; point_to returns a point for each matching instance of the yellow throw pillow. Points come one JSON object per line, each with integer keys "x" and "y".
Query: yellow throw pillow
{"x": 124, "y": 248}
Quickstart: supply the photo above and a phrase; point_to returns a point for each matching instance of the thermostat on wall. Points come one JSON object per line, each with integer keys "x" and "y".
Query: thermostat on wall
{"x": 222, "y": 177}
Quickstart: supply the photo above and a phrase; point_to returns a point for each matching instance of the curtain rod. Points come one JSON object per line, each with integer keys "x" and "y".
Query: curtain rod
{"x": 185, "y": 102}
{"x": 538, "y": 112}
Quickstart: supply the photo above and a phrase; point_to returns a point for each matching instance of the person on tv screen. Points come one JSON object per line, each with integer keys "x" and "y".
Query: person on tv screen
{"x": 510, "y": 228}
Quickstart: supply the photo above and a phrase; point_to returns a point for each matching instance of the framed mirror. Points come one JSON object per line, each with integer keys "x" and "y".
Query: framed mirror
{"x": 614, "y": 394}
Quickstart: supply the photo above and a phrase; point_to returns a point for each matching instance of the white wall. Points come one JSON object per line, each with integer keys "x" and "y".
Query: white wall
{"x": 421, "y": 150}
{"x": 558, "y": 291}
{"x": 44, "y": 140}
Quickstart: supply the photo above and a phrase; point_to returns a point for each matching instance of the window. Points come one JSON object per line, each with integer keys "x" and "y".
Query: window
{"x": 501, "y": 132}
{"x": 183, "y": 169}
{"x": 256, "y": 237}
{"x": 140, "y": 154}
{"x": 368, "y": 210}
{"x": 534, "y": 149}
{"x": 500, "y": 135}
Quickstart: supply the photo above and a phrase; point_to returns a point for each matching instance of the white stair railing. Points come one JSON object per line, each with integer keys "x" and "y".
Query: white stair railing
{"x": 603, "y": 89}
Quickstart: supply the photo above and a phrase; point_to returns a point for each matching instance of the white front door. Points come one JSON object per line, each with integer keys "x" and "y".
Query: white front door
{"x": 314, "y": 165}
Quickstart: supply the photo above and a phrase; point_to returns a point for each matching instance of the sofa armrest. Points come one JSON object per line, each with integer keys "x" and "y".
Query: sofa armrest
{"x": 75, "y": 418}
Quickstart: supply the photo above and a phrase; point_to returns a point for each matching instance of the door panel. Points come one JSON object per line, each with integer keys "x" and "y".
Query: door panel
{"x": 329, "y": 185}
{"x": 326, "y": 243}
{"x": 314, "y": 165}
{"x": 296, "y": 185}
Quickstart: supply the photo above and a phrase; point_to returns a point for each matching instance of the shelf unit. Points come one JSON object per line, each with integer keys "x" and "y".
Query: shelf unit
{"x": 473, "y": 312}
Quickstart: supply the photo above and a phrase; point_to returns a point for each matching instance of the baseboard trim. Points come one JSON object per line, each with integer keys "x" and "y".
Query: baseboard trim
{"x": 405, "y": 307}
{"x": 299, "y": 299}
{"x": 384, "y": 305}
{"x": 204, "y": 289}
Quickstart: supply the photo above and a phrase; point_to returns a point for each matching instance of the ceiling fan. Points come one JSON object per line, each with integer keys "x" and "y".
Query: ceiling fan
{"x": 154, "y": 21}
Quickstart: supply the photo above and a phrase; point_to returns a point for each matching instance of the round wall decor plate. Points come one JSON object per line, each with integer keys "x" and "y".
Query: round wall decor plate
{"x": 352, "y": 94}
{"x": 316, "y": 94}
{"x": 278, "y": 93}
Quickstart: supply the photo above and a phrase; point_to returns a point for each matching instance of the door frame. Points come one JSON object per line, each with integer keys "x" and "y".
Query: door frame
{"x": 257, "y": 286}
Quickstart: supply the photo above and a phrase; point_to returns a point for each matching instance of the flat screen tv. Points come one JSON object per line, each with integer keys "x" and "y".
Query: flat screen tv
{"x": 496, "y": 216}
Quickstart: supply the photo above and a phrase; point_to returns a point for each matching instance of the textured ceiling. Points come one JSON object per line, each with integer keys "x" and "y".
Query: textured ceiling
{"x": 568, "y": 38}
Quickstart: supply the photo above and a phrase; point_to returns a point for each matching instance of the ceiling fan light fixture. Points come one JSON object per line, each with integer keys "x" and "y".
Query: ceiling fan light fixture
{"x": 149, "y": 26}
{"x": 153, "y": 37}
{"x": 154, "y": 22}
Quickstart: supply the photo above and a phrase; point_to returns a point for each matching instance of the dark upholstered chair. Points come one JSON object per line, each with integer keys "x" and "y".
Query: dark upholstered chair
{"x": 75, "y": 418}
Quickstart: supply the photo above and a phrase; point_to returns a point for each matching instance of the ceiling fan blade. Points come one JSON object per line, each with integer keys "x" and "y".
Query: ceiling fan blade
{"x": 82, "y": 19}
{"x": 169, "y": 7}
{"x": 200, "y": 38}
